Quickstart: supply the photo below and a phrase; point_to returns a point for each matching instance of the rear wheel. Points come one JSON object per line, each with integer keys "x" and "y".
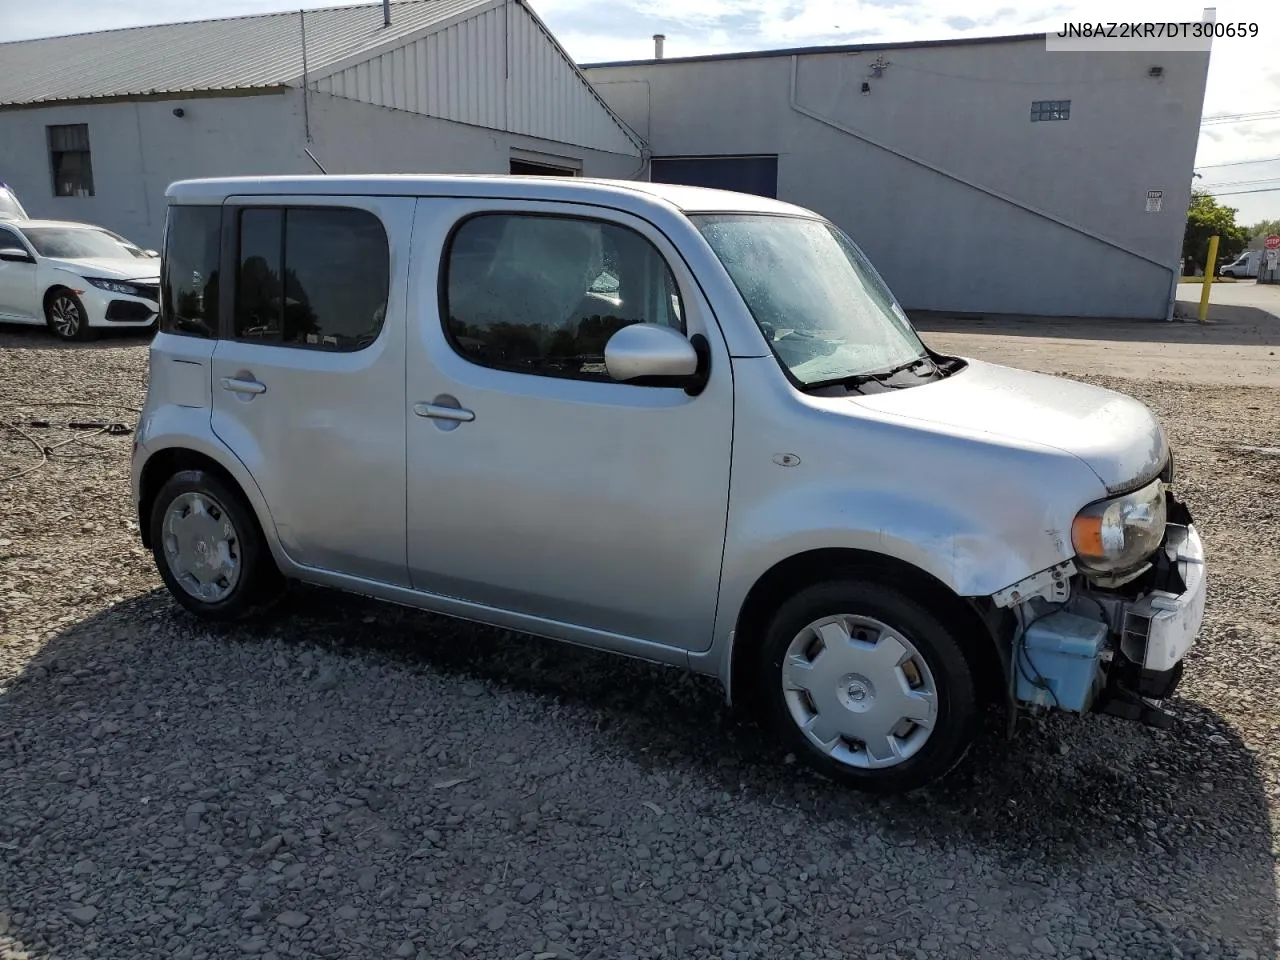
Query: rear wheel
{"x": 868, "y": 686}
{"x": 209, "y": 549}
{"x": 66, "y": 317}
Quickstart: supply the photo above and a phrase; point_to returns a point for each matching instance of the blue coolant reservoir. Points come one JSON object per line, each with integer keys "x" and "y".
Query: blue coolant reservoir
{"x": 1065, "y": 650}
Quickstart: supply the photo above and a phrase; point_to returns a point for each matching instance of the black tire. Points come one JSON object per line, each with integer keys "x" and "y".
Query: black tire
{"x": 61, "y": 303}
{"x": 258, "y": 582}
{"x": 956, "y": 695}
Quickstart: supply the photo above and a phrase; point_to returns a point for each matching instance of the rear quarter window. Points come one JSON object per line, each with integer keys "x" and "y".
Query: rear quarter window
{"x": 189, "y": 271}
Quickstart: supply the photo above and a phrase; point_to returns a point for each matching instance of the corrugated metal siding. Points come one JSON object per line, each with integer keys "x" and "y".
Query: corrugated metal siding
{"x": 241, "y": 52}
{"x": 498, "y": 69}
{"x": 456, "y": 74}
{"x": 487, "y": 63}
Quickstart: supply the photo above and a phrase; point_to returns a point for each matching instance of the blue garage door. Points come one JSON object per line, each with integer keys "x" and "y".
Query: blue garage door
{"x": 757, "y": 174}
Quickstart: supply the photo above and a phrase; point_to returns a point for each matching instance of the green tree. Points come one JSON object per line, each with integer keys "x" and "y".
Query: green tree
{"x": 1265, "y": 228}
{"x": 1205, "y": 217}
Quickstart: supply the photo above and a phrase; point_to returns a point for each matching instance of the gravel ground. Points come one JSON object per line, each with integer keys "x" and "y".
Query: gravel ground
{"x": 353, "y": 779}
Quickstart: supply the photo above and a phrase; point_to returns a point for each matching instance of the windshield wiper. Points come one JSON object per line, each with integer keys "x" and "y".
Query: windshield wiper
{"x": 912, "y": 364}
{"x": 882, "y": 377}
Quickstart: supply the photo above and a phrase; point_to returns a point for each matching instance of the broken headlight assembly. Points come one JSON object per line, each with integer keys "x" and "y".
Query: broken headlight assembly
{"x": 1113, "y": 538}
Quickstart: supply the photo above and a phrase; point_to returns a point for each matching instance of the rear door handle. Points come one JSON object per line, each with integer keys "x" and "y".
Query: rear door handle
{"x": 243, "y": 386}
{"x": 437, "y": 412}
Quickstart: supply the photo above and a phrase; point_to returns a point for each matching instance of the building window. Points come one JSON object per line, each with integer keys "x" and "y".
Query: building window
{"x": 530, "y": 169}
{"x": 69, "y": 157}
{"x": 1050, "y": 110}
{"x": 543, "y": 294}
{"x": 754, "y": 174}
{"x": 311, "y": 277}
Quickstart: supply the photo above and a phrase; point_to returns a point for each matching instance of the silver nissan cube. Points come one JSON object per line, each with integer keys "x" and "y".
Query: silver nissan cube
{"x": 680, "y": 424}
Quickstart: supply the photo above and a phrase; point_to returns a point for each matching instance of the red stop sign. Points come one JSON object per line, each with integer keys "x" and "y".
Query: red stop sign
{"x": 1272, "y": 242}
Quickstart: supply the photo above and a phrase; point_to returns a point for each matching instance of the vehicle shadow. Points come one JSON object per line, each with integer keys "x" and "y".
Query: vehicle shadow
{"x": 23, "y": 336}
{"x": 1068, "y": 801}
{"x": 1227, "y": 325}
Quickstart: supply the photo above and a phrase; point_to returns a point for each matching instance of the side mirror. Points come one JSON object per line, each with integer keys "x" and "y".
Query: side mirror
{"x": 16, "y": 255}
{"x": 647, "y": 354}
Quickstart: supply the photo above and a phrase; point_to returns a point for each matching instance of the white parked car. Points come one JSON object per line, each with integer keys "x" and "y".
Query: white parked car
{"x": 10, "y": 207}
{"x": 75, "y": 277}
{"x": 681, "y": 424}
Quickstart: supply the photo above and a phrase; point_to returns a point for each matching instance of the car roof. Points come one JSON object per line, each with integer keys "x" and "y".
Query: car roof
{"x": 628, "y": 195}
{"x": 52, "y": 223}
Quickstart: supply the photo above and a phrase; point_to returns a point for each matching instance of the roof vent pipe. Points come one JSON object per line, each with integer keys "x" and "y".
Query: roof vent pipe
{"x": 657, "y": 45}
{"x": 386, "y": 13}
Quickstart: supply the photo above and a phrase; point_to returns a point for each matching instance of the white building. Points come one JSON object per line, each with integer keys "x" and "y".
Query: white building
{"x": 95, "y": 126}
{"x": 982, "y": 176}
{"x": 985, "y": 176}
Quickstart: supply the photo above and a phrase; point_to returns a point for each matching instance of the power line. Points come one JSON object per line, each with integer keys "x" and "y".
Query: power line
{"x": 1239, "y": 117}
{"x": 1242, "y": 183}
{"x": 1236, "y": 193}
{"x": 1236, "y": 163}
{"x": 1214, "y": 117}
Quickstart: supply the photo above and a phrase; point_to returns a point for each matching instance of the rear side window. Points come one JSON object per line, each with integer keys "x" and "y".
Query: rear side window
{"x": 189, "y": 280}
{"x": 543, "y": 294}
{"x": 311, "y": 277}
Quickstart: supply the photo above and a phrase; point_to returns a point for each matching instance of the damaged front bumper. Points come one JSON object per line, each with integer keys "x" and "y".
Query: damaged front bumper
{"x": 1084, "y": 647}
{"x": 1157, "y": 629}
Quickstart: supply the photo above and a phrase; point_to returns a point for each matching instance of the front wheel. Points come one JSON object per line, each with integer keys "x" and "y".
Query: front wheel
{"x": 868, "y": 686}
{"x": 209, "y": 549}
{"x": 66, "y": 316}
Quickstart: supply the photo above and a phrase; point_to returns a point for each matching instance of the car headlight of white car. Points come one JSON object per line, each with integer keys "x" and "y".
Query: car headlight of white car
{"x": 1117, "y": 535}
{"x": 115, "y": 286}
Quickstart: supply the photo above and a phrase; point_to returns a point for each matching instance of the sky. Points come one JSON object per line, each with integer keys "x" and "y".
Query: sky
{"x": 1244, "y": 74}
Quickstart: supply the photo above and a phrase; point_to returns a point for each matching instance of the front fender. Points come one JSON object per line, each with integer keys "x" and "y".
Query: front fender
{"x": 965, "y": 551}
{"x": 58, "y": 276}
{"x": 974, "y": 512}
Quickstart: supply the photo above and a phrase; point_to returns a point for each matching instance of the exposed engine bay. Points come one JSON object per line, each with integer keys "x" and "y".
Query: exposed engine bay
{"x": 1087, "y": 643}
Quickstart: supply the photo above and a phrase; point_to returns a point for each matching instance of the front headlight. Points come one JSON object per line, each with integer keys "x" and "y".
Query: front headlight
{"x": 115, "y": 286}
{"x": 1113, "y": 536}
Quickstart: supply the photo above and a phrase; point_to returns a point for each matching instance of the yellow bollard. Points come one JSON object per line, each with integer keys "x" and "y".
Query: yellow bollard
{"x": 1208, "y": 278}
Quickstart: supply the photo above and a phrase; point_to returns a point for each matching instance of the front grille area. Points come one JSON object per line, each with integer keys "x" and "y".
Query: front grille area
{"x": 150, "y": 291}
{"x": 128, "y": 311}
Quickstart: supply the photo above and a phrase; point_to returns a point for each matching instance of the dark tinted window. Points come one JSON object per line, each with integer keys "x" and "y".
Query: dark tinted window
{"x": 310, "y": 277}
{"x": 70, "y": 161}
{"x": 189, "y": 278}
{"x": 258, "y": 275}
{"x": 543, "y": 294}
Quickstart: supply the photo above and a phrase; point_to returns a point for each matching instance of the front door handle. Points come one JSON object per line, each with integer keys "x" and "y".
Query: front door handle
{"x": 236, "y": 385}
{"x": 438, "y": 412}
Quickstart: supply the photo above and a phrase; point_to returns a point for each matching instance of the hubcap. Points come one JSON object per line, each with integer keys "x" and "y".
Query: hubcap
{"x": 201, "y": 546}
{"x": 859, "y": 691}
{"x": 66, "y": 316}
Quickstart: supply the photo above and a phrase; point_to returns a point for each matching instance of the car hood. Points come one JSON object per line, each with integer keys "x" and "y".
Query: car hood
{"x": 110, "y": 268}
{"x": 1116, "y": 436}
